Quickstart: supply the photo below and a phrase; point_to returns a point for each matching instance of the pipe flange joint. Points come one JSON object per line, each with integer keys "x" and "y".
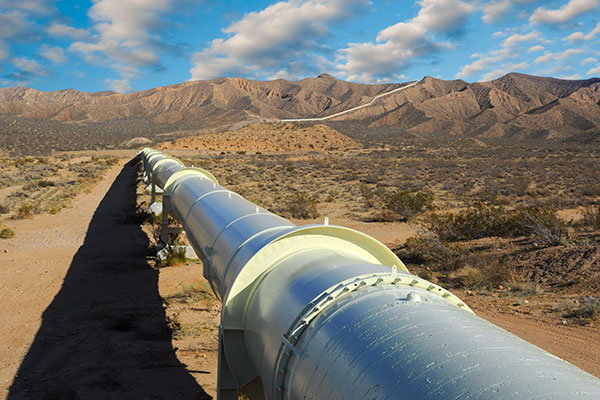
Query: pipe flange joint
{"x": 316, "y": 306}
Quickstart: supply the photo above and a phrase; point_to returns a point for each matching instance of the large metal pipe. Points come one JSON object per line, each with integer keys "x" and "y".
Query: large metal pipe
{"x": 325, "y": 312}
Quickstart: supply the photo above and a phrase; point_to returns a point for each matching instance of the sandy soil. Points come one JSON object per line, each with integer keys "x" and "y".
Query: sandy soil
{"x": 268, "y": 138}
{"x": 82, "y": 312}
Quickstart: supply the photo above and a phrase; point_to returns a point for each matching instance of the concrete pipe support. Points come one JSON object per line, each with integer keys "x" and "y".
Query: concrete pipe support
{"x": 326, "y": 312}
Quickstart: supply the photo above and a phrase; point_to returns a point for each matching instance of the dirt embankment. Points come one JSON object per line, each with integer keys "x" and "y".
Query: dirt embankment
{"x": 269, "y": 138}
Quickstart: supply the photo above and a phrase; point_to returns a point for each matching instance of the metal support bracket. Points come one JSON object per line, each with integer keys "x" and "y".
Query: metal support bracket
{"x": 227, "y": 388}
{"x": 153, "y": 193}
{"x": 165, "y": 230}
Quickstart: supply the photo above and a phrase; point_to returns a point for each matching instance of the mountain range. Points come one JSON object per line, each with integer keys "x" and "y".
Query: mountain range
{"x": 515, "y": 106}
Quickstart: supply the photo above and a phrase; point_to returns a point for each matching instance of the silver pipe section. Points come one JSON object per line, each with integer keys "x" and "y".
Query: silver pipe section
{"x": 325, "y": 312}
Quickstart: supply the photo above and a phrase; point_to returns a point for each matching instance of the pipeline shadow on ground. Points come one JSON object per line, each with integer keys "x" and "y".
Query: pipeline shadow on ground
{"x": 105, "y": 334}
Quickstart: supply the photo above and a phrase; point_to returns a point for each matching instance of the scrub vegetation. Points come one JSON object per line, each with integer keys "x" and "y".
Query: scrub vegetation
{"x": 494, "y": 216}
{"x": 34, "y": 185}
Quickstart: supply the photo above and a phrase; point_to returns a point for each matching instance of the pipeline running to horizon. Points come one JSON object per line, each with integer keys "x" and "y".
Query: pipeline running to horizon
{"x": 326, "y": 312}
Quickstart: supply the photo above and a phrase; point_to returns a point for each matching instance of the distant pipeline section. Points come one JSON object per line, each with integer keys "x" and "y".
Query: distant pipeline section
{"x": 326, "y": 312}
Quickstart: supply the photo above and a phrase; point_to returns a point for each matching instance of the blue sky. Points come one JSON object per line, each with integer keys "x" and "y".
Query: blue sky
{"x": 130, "y": 45}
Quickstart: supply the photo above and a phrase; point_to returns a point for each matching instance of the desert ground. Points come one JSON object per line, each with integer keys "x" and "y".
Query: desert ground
{"x": 87, "y": 312}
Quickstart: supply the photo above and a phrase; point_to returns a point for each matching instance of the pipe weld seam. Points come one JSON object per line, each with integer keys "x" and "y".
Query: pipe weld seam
{"x": 241, "y": 218}
{"x": 187, "y": 214}
{"x": 250, "y": 239}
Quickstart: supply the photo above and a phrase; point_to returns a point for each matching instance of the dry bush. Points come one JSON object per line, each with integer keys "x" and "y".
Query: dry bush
{"x": 300, "y": 205}
{"x": 588, "y": 309}
{"x": 426, "y": 248}
{"x": 482, "y": 271}
{"x": 484, "y": 220}
{"x": 401, "y": 204}
{"x": 7, "y": 233}
{"x": 544, "y": 225}
{"x": 27, "y": 210}
{"x": 473, "y": 223}
{"x": 175, "y": 256}
{"x": 461, "y": 268}
{"x": 591, "y": 217}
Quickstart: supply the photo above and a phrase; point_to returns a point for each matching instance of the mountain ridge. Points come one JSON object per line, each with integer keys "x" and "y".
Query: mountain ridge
{"x": 512, "y": 106}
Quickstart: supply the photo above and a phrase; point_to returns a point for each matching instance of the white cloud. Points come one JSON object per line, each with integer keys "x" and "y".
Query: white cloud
{"x": 495, "y": 11}
{"x": 442, "y": 15}
{"x": 67, "y": 31}
{"x": 580, "y": 36}
{"x": 589, "y": 60}
{"x": 125, "y": 35}
{"x": 15, "y": 25}
{"x": 118, "y": 85}
{"x": 533, "y": 49}
{"x": 513, "y": 41}
{"x": 398, "y": 44}
{"x": 275, "y": 40}
{"x": 54, "y": 54}
{"x": 594, "y": 71}
{"x": 545, "y": 58}
{"x": 572, "y": 9}
{"x": 32, "y": 6}
{"x": 475, "y": 67}
{"x": 510, "y": 48}
{"x": 29, "y": 65}
{"x": 570, "y": 77}
{"x": 559, "y": 56}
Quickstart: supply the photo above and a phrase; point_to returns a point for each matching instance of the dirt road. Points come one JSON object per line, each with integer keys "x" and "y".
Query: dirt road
{"x": 81, "y": 313}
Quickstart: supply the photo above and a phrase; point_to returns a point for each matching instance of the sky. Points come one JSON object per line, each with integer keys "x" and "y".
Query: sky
{"x": 131, "y": 45}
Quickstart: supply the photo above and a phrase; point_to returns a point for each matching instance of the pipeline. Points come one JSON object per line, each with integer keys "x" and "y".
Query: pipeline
{"x": 326, "y": 312}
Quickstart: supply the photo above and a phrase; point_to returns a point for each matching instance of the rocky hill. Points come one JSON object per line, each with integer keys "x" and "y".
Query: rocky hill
{"x": 515, "y": 106}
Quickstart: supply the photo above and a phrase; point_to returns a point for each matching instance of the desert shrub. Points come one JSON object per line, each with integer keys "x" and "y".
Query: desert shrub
{"x": 482, "y": 271}
{"x": 483, "y": 220}
{"x": 367, "y": 193}
{"x": 300, "y": 205}
{"x": 194, "y": 291}
{"x": 476, "y": 222}
{"x": 4, "y": 208}
{"x": 403, "y": 204}
{"x": 588, "y": 309}
{"x": 45, "y": 183}
{"x": 26, "y": 210}
{"x": 175, "y": 256}
{"x": 427, "y": 248}
{"x": 7, "y": 233}
{"x": 543, "y": 224}
{"x": 591, "y": 216}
